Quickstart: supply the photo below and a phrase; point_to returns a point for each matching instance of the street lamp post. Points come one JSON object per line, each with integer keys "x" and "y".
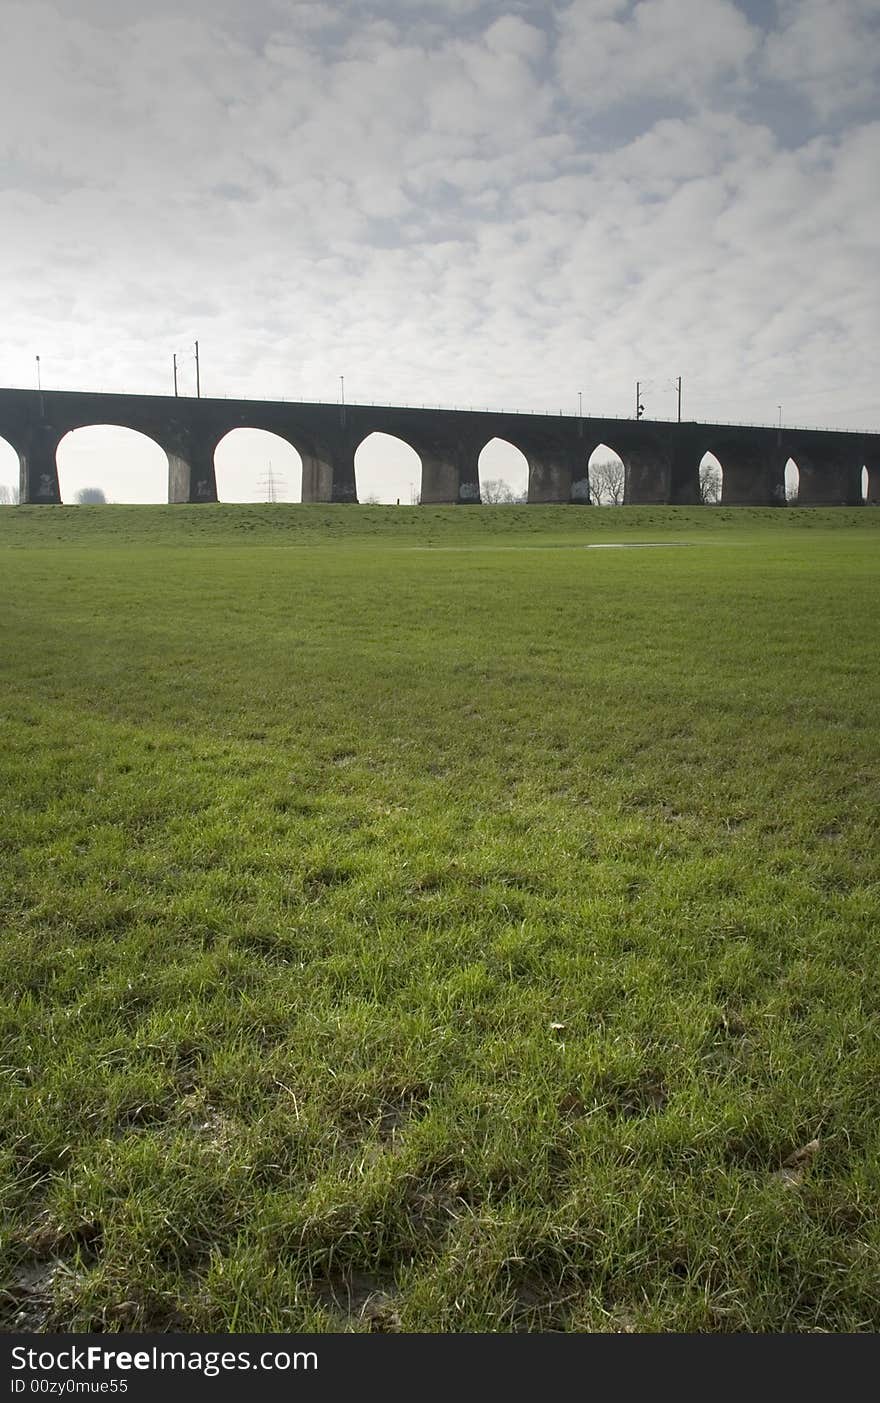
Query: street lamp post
{"x": 39, "y": 382}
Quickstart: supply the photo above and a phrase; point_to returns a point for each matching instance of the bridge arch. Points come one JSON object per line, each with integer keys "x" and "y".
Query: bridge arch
{"x": 257, "y": 465}
{"x": 502, "y": 469}
{"x": 9, "y": 472}
{"x": 792, "y": 482}
{"x": 606, "y": 471}
{"x": 387, "y": 469}
{"x": 127, "y": 465}
{"x": 711, "y": 471}
{"x": 866, "y": 483}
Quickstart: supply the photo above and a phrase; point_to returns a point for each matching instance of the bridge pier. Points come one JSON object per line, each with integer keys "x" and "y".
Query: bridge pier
{"x": 317, "y": 478}
{"x": 440, "y": 479}
{"x": 450, "y": 476}
{"x": 469, "y": 478}
{"x": 648, "y": 477}
{"x": 873, "y": 496}
{"x": 343, "y": 486}
{"x": 684, "y": 475}
{"x": 191, "y": 473}
{"x": 327, "y": 467}
{"x": 38, "y": 464}
{"x": 558, "y": 475}
{"x": 828, "y": 480}
{"x": 751, "y": 478}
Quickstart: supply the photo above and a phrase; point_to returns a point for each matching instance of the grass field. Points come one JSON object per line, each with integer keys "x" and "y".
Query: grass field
{"x": 414, "y": 920}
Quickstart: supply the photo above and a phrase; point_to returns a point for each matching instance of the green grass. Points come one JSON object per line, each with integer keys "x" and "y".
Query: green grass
{"x": 415, "y": 921}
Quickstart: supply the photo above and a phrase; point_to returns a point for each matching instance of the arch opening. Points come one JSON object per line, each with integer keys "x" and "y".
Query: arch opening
{"x": 792, "y": 482}
{"x": 607, "y": 474}
{"x": 255, "y": 465}
{"x": 503, "y": 471}
{"x": 711, "y": 478}
{"x": 865, "y": 482}
{"x": 108, "y": 459}
{"x": 387, "y": 469}
{"x": 9, "y": 474}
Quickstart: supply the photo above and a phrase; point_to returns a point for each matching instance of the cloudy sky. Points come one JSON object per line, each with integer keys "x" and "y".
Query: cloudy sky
{"x": 487, "y": 202}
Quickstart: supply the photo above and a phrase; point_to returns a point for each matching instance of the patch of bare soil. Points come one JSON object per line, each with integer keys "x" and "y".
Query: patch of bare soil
{"x": 358, "y": 1299}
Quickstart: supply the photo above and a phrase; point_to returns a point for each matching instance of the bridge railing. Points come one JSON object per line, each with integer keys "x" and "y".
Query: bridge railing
{"x": 551, "y": 414}
{"x": 490, "y": 409}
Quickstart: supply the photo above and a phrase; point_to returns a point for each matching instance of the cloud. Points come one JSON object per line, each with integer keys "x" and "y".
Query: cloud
{"x": 828, "y": 51}
{"x": 610, "y": 53}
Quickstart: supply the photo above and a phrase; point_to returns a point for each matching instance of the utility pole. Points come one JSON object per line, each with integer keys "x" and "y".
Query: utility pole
{"x": 174, "y": 358}
{"x": 678, "y": 382}
{"x": 779, "y": 407}
{"x": 198, "y": 381}
{"x": 39, "y": 382}
{"x": 271, "y": 484}
{"x": 640, "y": 408}
{"x": 342, "y": 400}
{"x": 580, "y": 415}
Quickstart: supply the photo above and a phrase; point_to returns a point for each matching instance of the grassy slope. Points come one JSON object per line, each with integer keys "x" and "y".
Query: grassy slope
{"x": 452, "y": 938}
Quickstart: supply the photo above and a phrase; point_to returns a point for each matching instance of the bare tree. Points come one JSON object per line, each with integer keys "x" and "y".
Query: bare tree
{"x": 710, "y": 484}
{"x": 608, "y": 483}
{"x": 91, "y": 496}
{"x": 498, "y": 492}
{"x": 8, "y": 495}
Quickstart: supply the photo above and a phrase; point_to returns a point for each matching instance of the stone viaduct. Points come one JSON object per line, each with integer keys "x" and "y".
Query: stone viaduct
{"x": 661, "y": 459}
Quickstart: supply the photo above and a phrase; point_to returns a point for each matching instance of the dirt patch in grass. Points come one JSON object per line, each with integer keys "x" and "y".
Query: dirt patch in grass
{"x": 644, "y": 1095}
{"x": 539, "y": 1304}
{"x": 382, "y": 1120}
{"x": 27, "y": 1304}
{"x": 323, "y": 879}
{"x": 359, "y": 1301}
{"x": 51, "y": 1255}
{"x": 793, "y": 1168}
{"x": 433, "y": 1205}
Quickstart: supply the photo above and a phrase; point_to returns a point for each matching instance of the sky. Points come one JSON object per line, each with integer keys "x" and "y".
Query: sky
{"x": 475, "y": 202}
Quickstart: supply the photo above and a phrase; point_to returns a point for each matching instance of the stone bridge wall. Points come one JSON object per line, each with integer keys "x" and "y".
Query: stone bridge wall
{"x": 661, "y": 459}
